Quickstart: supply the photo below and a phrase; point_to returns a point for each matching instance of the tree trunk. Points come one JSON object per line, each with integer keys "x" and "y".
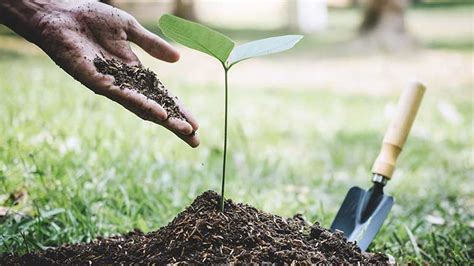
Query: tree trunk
{"x": 383, "y": 24}
{"x": 185, "y": 9}
{"x": 355, "y": 3}
{"x": 385, "y": 15}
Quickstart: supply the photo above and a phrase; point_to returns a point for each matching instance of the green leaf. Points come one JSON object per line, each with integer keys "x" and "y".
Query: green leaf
{"x": 196, "y": 36}
{"x": 263, "y": 47}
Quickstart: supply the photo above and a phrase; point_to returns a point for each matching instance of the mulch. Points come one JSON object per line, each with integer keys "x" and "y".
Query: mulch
{"x": 142, "y": 80}
{"x": 203, "y": 234}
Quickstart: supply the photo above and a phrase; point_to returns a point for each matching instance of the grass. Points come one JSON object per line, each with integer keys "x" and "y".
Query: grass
{"x": 90, "y": 168}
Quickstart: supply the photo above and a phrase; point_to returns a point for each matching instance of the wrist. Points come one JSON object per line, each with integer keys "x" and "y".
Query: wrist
{"x": 24, "y": 16}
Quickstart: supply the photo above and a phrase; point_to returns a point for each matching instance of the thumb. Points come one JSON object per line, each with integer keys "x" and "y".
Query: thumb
{"x": 151, "y": 43}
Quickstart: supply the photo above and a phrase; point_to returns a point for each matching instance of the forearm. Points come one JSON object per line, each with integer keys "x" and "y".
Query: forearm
{"x": 23, "y": 16}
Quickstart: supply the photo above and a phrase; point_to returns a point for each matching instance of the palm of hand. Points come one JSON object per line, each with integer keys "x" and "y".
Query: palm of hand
{"x": 75, "y": 36}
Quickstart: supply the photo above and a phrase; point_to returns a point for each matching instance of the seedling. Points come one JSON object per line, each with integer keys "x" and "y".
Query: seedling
{"x": 221, "y": 47}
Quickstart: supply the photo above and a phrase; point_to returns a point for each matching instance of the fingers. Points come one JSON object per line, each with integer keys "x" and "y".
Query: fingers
{"x": 140, "y": 105}
{"x": 121, "y": 49}
{"x": 189, "y": 117}
{"x": 178, "y": 125}
{"x": 191, "y": 140}
{"x": 151, "y": 43}
{"x": 150, "y": 110}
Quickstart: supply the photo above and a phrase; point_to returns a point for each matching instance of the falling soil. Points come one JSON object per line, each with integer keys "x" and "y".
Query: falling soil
{"x": 142, "y": 80}
{"x": 203, "y": 234}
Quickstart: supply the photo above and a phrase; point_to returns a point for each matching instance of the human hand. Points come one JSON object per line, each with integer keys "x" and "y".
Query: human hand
{"x": 73, "y": 34}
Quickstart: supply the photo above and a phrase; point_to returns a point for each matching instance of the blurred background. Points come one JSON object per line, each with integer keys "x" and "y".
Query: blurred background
{"x": 305, "y": 126}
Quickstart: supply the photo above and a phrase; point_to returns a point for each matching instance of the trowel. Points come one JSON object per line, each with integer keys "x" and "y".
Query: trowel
{"x": 363, "y": 212}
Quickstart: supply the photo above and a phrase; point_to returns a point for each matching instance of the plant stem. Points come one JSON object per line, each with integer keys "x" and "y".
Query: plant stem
{"x": 225, "y": 141}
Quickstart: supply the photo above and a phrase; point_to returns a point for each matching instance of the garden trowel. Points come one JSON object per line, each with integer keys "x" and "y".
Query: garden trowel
{"x": 363, "y": 211}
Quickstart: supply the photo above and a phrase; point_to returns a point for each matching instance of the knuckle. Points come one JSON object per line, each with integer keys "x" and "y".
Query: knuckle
{"x": 50, "y": 23}
{"x": 131, "y": 21}
{"x": 47, "y": 25}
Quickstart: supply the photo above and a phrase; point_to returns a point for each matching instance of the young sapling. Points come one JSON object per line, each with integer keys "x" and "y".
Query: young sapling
{"x": 221, "y": 47}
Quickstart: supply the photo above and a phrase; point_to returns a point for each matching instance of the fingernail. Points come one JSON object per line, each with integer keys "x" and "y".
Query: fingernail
{"x": 194, "y": 142}
{"x": 181, "y": 126}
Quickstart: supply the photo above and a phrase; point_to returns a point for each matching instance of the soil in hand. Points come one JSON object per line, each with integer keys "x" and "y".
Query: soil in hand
{"x": 203, "y": 234}
{"x": 142, "y": 80}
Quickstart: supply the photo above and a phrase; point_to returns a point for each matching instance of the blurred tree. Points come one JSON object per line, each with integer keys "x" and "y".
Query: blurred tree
{"x": 384, "y": 15}
{"x": 185, "y": 9}
{"x": 355, "y": 3}
{"x": 384, "y": 24}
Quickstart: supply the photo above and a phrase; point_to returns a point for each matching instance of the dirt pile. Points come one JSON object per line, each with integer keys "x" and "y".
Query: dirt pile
{"x": 142, "y": 80}
{"x": 202, "y": 234}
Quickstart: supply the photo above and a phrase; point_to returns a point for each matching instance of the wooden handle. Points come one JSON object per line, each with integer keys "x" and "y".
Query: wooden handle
{"x": 398, "y": 131}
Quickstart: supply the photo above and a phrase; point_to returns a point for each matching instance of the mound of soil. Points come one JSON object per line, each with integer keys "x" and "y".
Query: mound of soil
{"x": 202, "y": 234}
{"x": 142, "y": 80}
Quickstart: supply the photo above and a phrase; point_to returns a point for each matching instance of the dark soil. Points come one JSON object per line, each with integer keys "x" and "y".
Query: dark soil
{"x": 142, "y": 80}
{"x": 202, "y": 234}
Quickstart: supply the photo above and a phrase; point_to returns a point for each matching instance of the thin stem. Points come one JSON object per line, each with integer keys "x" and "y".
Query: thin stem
{"x": 225, "y": 141}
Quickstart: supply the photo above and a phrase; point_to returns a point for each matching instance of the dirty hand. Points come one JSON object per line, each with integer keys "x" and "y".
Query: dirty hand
{"x": 73, "y": 34}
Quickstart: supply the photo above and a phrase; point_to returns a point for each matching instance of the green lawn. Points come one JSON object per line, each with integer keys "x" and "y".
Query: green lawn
{"x": 90, "y": 168}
